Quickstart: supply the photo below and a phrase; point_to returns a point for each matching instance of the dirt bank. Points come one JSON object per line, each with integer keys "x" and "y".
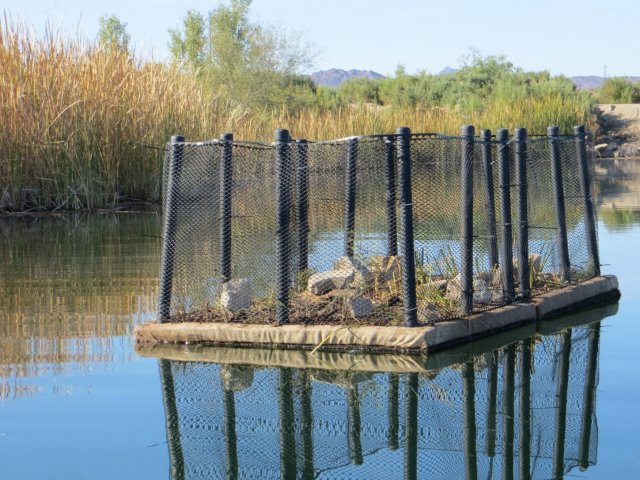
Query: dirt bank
{"x": 618, "y": 133}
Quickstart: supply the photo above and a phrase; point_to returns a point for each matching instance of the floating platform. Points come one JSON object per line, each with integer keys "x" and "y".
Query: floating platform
{"x": 386, "y": 339}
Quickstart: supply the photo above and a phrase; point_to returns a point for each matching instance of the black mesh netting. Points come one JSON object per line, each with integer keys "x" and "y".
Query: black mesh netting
{"x": 313, "y": 233}
{"x": 526, "y": 410}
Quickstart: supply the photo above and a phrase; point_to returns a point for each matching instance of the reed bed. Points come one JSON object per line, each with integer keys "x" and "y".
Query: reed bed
{"x": 85, "y": 128}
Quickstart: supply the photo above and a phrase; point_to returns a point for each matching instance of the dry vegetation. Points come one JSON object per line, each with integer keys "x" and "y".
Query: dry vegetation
{"x": 83, "y": 127}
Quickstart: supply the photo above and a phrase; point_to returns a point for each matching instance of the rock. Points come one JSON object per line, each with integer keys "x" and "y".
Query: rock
{"x": 386, "y": 269}
{"x": 600, "y": 147}
{"x": 236, "y": 378}
{"x": 362, "y": 274}
{"x": 236, "y": 294}
{"x": 481, "y": 291}
{"x": 629, "y": 150}
{"x": 360, "y": 306}
{"x": 428, "y": 313}
{"x": 535, "y": 265}
{"x": 323, "y": 282}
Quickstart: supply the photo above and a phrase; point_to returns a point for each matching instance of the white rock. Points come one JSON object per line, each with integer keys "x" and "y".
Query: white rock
{"x": 362, "y": 274}
{"x": 236, "y": 294}
{"x": 323, "y": 282}
{"x": 428, "y": 313}
{"x": 236, "y": 378}
{"x": 481, "y": 291}
{"x": 360, "y": 306}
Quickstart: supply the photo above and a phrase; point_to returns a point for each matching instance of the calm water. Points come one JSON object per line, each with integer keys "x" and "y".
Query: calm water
{"x": 77, "y": 401}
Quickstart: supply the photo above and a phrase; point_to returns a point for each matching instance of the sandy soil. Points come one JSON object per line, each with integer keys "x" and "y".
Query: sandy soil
{"x": 619, "y": 130}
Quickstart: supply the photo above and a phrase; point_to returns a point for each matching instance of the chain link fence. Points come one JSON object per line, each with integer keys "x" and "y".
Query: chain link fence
{"x": 384, "y": 229}
{"x": 525, "y": 410}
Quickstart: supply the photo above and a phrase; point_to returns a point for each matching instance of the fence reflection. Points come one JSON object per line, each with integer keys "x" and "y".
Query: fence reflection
{"x": 525, "y": 410}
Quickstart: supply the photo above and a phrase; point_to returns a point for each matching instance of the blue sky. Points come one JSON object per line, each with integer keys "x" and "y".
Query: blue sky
{"x": 571, "y": 37}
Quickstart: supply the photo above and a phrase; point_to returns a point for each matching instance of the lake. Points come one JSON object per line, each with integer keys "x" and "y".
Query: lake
{"x": 77, "y": 401}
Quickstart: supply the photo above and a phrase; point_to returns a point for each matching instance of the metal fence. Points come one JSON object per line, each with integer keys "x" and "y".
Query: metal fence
{"x": 384, "y": 229}
{"x": 525, "y": 410}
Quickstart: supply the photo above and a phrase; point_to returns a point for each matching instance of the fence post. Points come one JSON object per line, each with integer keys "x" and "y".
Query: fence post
{"x": 169, "y": 227}
{"x": 350, "y": 208}
{"x": 469, "y": 413}
{"x": 392, "y": 224}
{"x": 589, "y": 394}
{"x": 492, "y": 402}
{"x": 403, "y": 146}
{"x": 553, "y": 133}
{"x": 412, "y": 386}
{"x": 524, "y": 435}
{"x": 226, "y": 185}
{"x": 562, "y": 388}
{"x": 354, "y": 425}
{"x": 523, "y": 212}
{"x": 466, "y": 220}
{"x": 589, "y": 211}
{"x": 508, "y": 398}
{"x": 490, "y": 203}
{"x": 176, "y": 455}
{"x": 286, "y": 430}
{"x": 283, "y": 171}
{"x": 393, "y": 410}
{"x": 231, "y": 437}
{"x": 504, "y": 178}
{"x": 303, "y": 205}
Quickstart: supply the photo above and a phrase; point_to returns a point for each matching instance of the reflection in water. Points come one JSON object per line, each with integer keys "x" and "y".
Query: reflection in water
{"x": 71, "y": 289}
{"x": 523, "y": 410}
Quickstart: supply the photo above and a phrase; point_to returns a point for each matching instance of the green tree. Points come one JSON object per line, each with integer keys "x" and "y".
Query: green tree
{"x": 619, "y": 90}
{"x": 247, "y": 63}
{"x": 188, "y": 46}
{"x": 113, "y": 36}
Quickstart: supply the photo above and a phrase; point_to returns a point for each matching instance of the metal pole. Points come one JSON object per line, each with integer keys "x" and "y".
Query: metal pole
{"x": 492, "y": 401}
{"x": 469, "y": 406}
{"x": 350, "y": 207}
{"x": 553, "y": 133}
{"x": 287, "y": 422}
{"x": 392, "y": 224}
{"x": 589, "y": 394}
{"x": 306, "y": 426}
{"x": 466, "y": 220}
{"x": 525, "y": 411}
{"x": 587, "y": 198}
{"x": 562, "y": 389}
{"x": 523, "y": 212}
{"x": 231, "y": 438}
{"x": 169, "y": 229}
{"x": 283, "y": 184}
{"x": 353, "y": 419}
{"x": 403, "y": 147}
{"x": 176, "y": 456}
{"x": 507, "y": 413}
{"x": 411, "y": 427}
{"x": 303, "y": 205}
{"x": 508, "y": 289}
{"x": 489, "y": 202}
{"x": 226, "y": 186}
{"x": 393, "y": 411}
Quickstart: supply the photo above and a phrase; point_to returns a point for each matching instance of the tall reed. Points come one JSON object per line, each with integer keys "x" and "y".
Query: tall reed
{"x": 85, "y": 128}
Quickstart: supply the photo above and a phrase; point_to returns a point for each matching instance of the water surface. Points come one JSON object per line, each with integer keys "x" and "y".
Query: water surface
{"x": 76, "y": 401}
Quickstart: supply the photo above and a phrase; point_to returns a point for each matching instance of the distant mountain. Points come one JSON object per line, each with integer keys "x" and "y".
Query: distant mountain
{"x": 447, "y": 71}
{"x": 335, "y": 76}
{"x": 591, "y": 82}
